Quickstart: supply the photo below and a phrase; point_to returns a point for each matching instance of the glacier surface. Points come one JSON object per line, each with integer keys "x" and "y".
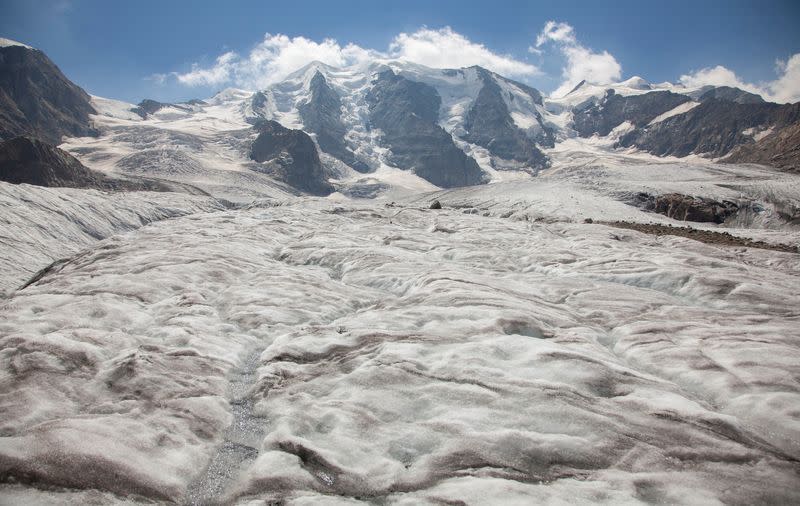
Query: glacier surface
{"x": 314, "y": 351}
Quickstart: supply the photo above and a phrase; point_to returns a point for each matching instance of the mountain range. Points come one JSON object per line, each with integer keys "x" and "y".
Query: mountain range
{"x": 363, "y": 130}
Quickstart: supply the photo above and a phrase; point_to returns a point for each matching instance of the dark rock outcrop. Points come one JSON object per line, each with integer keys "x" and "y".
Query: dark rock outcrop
{"x": 407, "y": 113}
{"x": 712, "y": 128}
{"x": 26, "y": 160}
{"x": 577, "y": 87}
{"x": 489, "y": 125}
{"x": 259, "y": 105}
{"x": 686, "y": 208}
{"x": 322, "y": 115}
{"x": 31, "y": 161}
{"x": 291, "y": 156}
{"x": 147, "y": 107}
{"x": 613, "y": 109}
{"x": 37, "y": 100}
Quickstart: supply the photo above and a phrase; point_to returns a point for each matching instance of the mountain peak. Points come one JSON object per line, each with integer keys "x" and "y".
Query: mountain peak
{"x": 229, "y": 94}
{"x": 637, "y": 83}
{"x": 310, "y": 69}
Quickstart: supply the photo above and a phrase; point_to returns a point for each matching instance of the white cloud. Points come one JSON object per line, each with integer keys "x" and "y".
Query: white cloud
{"x": 445, "y": 48}
{"x": 556, "y": 32}
{"x": 582, "y": 63}
{"x": 786, "y": 88}
{"x": 716, "y": 76}
{"x": 219, "y": 73}
{"x": 279, "y": 55}
{"x": 272, "y": 59}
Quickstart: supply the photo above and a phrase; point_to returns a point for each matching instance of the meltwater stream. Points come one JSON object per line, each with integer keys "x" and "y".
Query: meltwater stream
{"x": 242, "y": 438}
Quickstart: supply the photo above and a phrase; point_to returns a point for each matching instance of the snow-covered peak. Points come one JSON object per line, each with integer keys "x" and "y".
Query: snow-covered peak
{"x": 586, "y": 91}
{"x": 307, "y": 72}
{"x": 636, "y": 83}
{"x": 8, "y": 42}
{"x": 229, "y": 95}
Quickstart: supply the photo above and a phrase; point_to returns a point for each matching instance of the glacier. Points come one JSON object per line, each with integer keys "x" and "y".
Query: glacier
{"x": 320, "y": 350}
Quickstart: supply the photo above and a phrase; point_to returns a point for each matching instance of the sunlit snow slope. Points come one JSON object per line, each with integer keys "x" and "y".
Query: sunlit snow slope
{"x": 363, "y": 353}
{"x": 41, "y": 225}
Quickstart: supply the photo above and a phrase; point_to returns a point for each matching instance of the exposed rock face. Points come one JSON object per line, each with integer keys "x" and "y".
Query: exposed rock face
{"x": 322, "y": 115}
{"x": 31, "y": 161}
{"x": 291, "y": 156}
{"x": 603, "y": 116}
{"x": 780, "y": 149}
{"x": 37, "y": 100}
{"x": 259, "y": 105}
{"x": 731, "y": 94}
{"x": 686, "y": 208}
{"x": 713, "y": 128}
{"x": 407, "y": 113}
{"x": 489, "y": 124}
{"x": 147, "y": 107}
{"x": 25, "y": 160}
{"x": 723, "y": 119}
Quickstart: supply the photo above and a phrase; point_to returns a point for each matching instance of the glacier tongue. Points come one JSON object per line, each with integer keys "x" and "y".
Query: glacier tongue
{"x": 406, "y": 356}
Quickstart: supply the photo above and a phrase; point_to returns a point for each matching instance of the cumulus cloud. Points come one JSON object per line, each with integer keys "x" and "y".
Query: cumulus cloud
{"x": 278, "y": 55}
{"x": 786, "y": 88}
{"x": 714, "y": 76}
{"x": 216, "y": 74}
{"x": 582, "y": 63}
{"x": 272, "y": 59}
{"x": 445, "y": 48}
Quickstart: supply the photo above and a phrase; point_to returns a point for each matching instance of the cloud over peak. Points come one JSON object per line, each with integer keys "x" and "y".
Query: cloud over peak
{"x": 582, "y": 63}
{"x": 445, "y": 48}
{"x": 276, "y": 56}
{"x": 786, "y": 88}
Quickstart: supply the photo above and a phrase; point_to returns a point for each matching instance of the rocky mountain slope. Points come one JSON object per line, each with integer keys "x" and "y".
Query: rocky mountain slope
{"x": 37, "y": 100}
{"x": 713, "y": 128}
{"x": 290, "y": 155}
{"x": 407, "y": 112}
{"x": 322, "y": 116}
{"x": 600, "y": 118}
{"x": 671, "y": 120}
{"x": 779, "y": 148}
{"x": 31, "y": 161}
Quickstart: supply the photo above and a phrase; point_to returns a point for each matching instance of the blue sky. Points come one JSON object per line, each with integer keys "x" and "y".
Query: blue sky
{"x": 115, "y": 49}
